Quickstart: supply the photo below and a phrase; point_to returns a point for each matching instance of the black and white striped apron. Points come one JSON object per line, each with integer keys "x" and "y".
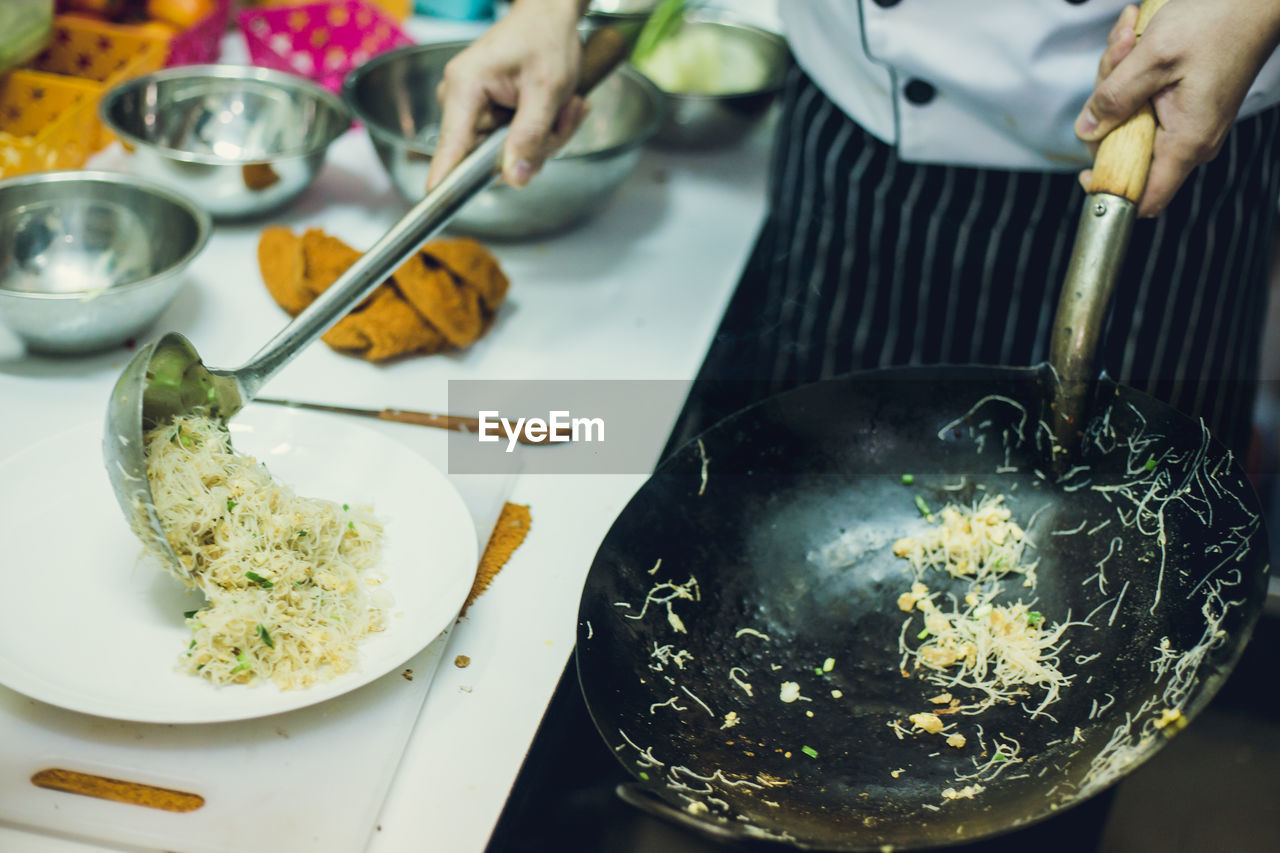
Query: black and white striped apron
{"x": 867, "y": 261}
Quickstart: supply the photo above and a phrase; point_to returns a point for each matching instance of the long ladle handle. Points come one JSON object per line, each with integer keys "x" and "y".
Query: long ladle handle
{"x": 1120, "y": 171}
{"x": 604, "y": 49}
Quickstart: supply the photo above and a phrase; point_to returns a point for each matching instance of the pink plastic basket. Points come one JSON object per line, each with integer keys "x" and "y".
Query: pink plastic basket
{"x": 202, "y": 42}
{"x": 322, "y": 41}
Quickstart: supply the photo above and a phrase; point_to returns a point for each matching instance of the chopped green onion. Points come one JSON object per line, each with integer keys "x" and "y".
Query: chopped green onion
{"x": 828, "y": 664}
{"x": 908, "y": 479}
{"x": 817, "y": 670}
{"x": 997, "y": 563}
{"x": 1151, "y": 463}
{"x": 243, "y": 664}
{"x": 187, "y": 614}
{"x": 259, "y": 580}
{"x": 301, "y": 533}
{"x": 644, "y": 776}
{"x": 809, "y": 751}
{"x": 922, "y": 634}
{"x": 999, "y": 756}
{"x": 180, "y": 437}
{"x": 302, "y": 582}
{"x": 351, "y": 525}
{"x": 1034, "y": 618}
{"x": 231, "y": 505}
{"x": 193, "y": 645}
{"x": 266, "y": 638}
{"x": 922, "y": 506}
{"x": 345, "y": 507}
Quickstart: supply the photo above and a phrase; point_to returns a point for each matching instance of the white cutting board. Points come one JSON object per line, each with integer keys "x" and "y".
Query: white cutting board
{"x": 310, "y": 780}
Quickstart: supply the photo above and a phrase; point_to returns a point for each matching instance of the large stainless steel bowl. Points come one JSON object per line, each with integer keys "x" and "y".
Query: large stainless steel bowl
{"x": 242, "y": 140}
{"x": 702, "y": 120}
{"x": 393, "y": 95}
{"x": 627, "y": 16}
{"x": 90, "y": 259}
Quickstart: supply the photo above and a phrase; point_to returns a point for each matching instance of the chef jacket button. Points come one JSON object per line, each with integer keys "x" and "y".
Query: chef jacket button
{"x": 887, "y": 3}
{"x": 919, "y": 92}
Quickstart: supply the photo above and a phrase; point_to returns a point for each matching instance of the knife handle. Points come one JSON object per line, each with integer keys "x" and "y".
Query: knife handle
{"x": 456, "y": 423}
{"x": 1123, "y": 160}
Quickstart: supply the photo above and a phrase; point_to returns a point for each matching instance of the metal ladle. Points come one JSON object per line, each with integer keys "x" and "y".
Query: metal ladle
{"x": 166, "y": 378}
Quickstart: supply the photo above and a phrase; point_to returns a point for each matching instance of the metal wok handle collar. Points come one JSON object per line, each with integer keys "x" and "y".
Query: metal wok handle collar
{"x": 1120, "y": 172}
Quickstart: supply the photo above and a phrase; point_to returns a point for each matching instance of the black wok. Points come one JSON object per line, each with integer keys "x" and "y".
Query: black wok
{"x": 790, "y": 537}
{"x": 763, "y": 548}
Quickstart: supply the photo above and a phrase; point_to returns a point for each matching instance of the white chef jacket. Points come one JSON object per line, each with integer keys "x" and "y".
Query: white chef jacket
{"x": 990, "y": 83}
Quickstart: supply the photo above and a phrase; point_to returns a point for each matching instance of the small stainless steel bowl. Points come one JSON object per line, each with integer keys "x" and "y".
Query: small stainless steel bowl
{"x": 627, "y": 16}
{"x": 90, "y": 259}
{"x": 393, "y": 96}
{"x": 696, "y": 120}
{"x": 242, "y": 140}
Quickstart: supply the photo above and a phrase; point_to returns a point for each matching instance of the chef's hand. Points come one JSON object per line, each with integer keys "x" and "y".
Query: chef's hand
{"x": 1195, "y": 62}
{"x": 528, "y": 62}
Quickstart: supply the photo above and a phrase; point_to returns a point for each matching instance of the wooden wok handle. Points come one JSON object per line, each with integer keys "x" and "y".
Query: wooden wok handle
{"x": 1123, "y": 160}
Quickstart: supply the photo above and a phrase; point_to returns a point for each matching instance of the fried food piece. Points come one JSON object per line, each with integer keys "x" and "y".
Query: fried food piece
{"x": 325, "y": 259}
{"x": 433, "y": 292}
{"x": 472, "y": 263}
{"x": 258, "y": 176}
{"x": 444, "y": 297}
{"x": 283, "y": 269}
{"x": 384, "y": 329}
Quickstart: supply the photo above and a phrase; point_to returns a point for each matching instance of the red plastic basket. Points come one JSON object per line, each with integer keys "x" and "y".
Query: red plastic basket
{"x": 322, "y": 41}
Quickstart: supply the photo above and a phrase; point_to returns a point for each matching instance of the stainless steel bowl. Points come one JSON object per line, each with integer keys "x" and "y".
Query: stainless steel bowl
{"x": 626, "y": 15}
{"x": 697, "y": 120}
{"x": 393, "y": 96}
{"x": 242, "y": 140}
{"x": 90, "y": 259}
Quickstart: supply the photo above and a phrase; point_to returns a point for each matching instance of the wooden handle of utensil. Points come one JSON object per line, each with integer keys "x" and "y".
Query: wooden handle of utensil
{"x": 1123, "y": 160}
{"x": 604, "y": 50}
{"x": 459, "y": 423}
{"x": 456, "y": 423}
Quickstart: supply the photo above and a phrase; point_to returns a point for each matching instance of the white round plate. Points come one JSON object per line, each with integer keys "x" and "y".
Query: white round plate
{"x": 87, "y": 625}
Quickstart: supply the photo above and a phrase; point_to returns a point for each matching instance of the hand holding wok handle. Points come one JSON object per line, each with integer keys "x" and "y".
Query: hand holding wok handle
{"x": 1119, "y": 177}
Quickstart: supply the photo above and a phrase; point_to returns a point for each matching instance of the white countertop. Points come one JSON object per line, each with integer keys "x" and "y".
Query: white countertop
{"x": 635, "y": 294}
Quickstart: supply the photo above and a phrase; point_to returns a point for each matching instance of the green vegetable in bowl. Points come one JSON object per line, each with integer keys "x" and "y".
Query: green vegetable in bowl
{"x": 701, "y": 58}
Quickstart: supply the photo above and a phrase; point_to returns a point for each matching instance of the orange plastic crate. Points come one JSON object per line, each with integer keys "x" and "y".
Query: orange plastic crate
{"x": 101, "y": 54}
{"x": 46, "y": 122}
